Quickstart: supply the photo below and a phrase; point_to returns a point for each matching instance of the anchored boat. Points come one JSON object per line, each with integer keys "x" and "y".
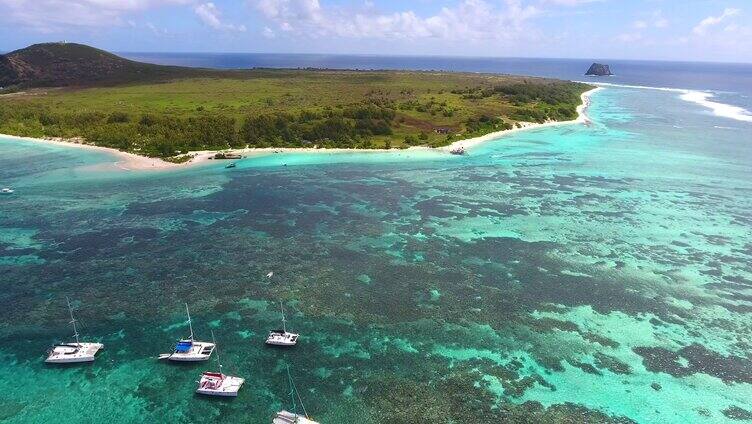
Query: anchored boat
{"x": 71, "y": 353}
{"x": 282, "y": 337}
{"x": 287, "y": 417}
{"x": 217, "y": 383}
{"x": 190, "y": 350}
{"x": 458, "y": 151}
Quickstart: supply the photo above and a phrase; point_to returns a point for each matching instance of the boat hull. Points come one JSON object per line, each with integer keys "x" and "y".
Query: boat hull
{"x": 217, "y": 393}
{"x": 73, "y": 353}
{"x": 198, "y": 352}
{"x": 181, "y": 358}
{"x": 228, "y": 387}
{"x": 282, "y": 339}
{"x": 280, "y": 343}
{"x": 285, "y": 417}
{"x": 78, "y": 360}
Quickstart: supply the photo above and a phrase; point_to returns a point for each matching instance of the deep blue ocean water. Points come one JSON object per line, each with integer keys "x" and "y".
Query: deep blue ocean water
{"x": 727, "y": 77}
{"x": 580, "y": 272}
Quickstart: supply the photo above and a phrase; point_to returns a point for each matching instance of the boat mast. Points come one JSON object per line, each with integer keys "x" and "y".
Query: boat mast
{"x": 292, "y": 393}
{"x": 284, "y": 327}
{"x": 73, "y": 320}
{"x": 216, "y": 349}
{"x": 295, "y": 393}
{"x": 189, "y": 321}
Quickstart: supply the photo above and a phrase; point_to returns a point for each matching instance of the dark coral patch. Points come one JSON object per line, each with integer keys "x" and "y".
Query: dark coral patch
{"x": 610, "y": 363}
{"x": 736, "y": 413}
{"x": 730, "y": 369}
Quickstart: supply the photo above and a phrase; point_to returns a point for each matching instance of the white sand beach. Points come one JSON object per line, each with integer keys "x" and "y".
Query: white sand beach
{"x": 133, "y": 162}
{"x": 582, "y": 118}
{"x": 123, "y": 160}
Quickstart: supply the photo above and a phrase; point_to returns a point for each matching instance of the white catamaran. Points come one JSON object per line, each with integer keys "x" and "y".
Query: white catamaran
{"x": 282, "y": 337}
{"x": 287, "y": 417}
{"x": 70, "y": 353}
{"x": 218, "y": 383}
{"x": 190, "y": 350}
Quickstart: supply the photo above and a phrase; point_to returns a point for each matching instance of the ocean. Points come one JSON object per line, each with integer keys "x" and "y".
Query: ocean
{"x": 727, "y": 78}
{"x": 590, "y": 273}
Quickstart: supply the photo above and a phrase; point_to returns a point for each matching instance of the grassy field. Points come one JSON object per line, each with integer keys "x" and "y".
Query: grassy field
{"x": 291, "y": 108}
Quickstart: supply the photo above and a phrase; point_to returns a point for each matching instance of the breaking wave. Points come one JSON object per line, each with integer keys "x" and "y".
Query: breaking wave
{"x": 702, "y": 98}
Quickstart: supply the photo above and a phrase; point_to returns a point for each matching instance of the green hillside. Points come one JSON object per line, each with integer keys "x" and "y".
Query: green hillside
{"x": 71, "y": 64}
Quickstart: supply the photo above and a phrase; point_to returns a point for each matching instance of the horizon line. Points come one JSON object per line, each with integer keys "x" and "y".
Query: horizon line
{"x": 435, "y": 56}
{"x": 459, "y": 56}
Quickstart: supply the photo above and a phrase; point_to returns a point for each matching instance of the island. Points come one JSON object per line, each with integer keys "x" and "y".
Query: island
{"x": 70, "y": 91}
{"x": 599, "y": 70}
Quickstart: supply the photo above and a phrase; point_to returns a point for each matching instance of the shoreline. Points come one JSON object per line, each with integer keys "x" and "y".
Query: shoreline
{"x": 582, "y": 118}
{"x": 127, "y": 161}
{"x": 134, "y": 162}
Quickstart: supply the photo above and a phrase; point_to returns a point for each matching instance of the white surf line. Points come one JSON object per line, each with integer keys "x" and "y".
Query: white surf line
{"x": 698, "y": 97}
{"x": 643, "y": 87}
{"x": 719, "y": 109}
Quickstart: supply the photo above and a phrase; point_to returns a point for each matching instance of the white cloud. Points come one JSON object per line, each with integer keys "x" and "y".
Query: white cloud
{"x": 50, "y": 15}
{"x": 155, "y": 30}
{"x": 656, "y": 21}
{"x": 468, "y": 20}
{"x": 629, "y": 37}
{"x": 571, "y": 2}
{"x": 659, "y": 21}
{"x": 639, "y": 27}
{"x": 210, "y": 15}
{"x": 711, "y": 21}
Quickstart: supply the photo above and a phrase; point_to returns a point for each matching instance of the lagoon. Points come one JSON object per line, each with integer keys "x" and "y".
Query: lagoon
{"x": 599, "y": 270}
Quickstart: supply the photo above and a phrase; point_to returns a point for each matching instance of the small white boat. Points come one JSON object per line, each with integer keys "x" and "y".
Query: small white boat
{"x": 458, "y": 151}
{"x": 71, "y": 353}
{"x": 189, "y": 350}
{"x": 282, "y": 337}
{"x": 218, "y": 383}
{"x": 7, "y": 191}
{"x": 287, "y": 417}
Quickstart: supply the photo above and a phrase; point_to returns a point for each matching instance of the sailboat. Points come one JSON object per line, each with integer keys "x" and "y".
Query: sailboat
{"x": 190, "y": 350}
{"x": 217, "y": 383}
{"x": 282, "y": 337}
{"x": 70, "y": 353}
{"x": 287, "y": 417}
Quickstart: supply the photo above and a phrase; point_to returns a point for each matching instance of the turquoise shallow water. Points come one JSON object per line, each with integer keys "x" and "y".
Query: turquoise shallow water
{"x": 591, "y": 273}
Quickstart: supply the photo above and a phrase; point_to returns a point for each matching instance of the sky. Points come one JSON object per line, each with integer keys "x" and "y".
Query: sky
{"x": 688, "y": 30}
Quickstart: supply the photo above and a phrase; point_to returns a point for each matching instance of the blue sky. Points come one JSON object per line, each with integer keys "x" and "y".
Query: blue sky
{"x": 695, "y": 30}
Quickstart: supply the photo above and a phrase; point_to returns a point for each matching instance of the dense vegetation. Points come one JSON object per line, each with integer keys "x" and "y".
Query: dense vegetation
{"x": 287, "y": 108}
